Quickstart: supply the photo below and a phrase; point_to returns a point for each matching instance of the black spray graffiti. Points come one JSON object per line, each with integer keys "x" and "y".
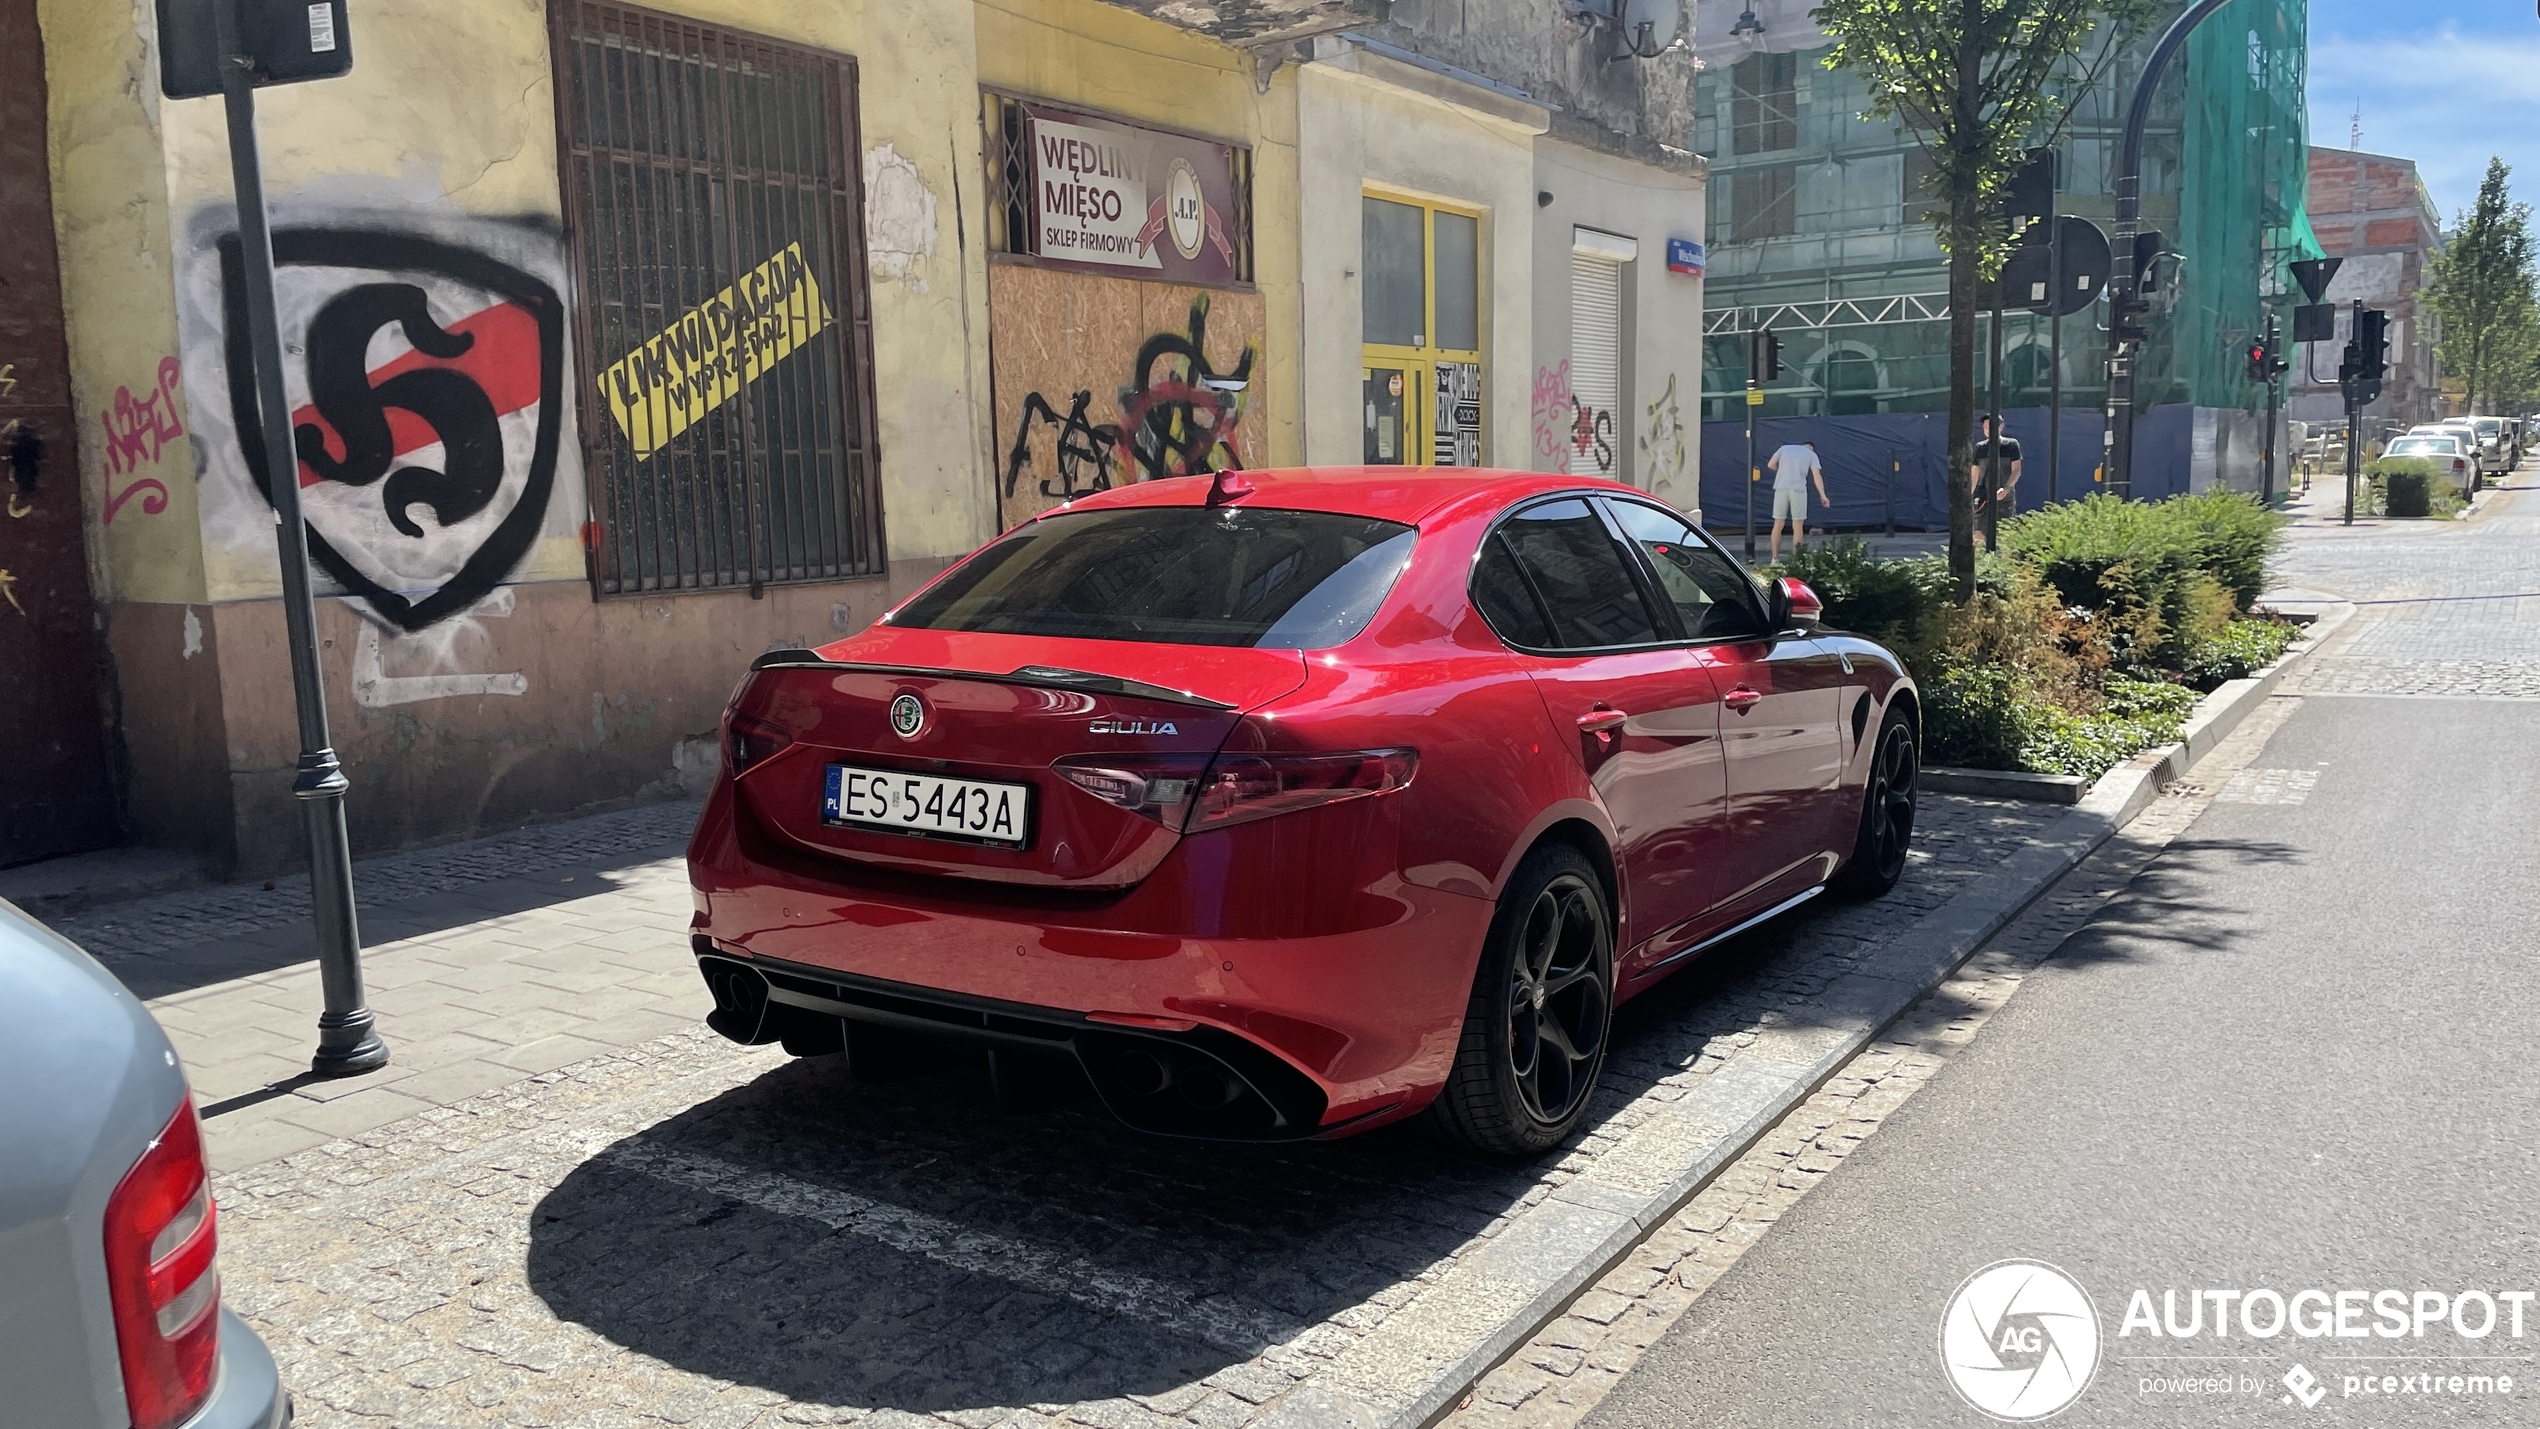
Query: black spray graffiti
{"x": 1178, "y": 414}
{"x": 454, "y": 405}
{"x": 458, "y": 405}
{"x": 1085, "y": 451}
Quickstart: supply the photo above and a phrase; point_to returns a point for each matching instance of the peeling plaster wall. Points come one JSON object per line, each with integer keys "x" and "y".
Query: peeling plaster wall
{"x": 1628, "y": 106}
{"x": 522, "y": 697}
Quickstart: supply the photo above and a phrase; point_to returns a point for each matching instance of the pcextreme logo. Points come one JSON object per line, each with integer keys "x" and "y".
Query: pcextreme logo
{"x": 2020, "y": 1340}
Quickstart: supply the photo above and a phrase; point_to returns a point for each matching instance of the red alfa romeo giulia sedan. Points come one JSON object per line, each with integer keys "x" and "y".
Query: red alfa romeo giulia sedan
{"x": 1289, "y": 803}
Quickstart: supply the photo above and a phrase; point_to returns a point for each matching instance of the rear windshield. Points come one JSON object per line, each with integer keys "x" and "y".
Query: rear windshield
{"x": 1180, "y": 575}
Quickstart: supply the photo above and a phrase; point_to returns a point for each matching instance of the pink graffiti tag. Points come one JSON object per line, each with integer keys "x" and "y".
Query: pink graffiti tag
{"x": 138, "y": 429}
{"x": 1552, "y": 408}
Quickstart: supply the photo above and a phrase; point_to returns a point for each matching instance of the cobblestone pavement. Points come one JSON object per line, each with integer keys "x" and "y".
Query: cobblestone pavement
{"x": 687, "y": 1232}
{"x": 1562, "y": 1374}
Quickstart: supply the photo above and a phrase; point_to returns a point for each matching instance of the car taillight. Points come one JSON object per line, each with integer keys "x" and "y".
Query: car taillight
{"x": 748, "y": 740}
{"x": 1157, "y": 786}
{"x": 1243, "y": 787}
{"x": 160, "y": 1237}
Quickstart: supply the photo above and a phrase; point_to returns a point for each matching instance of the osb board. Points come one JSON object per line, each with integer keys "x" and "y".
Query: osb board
{"x": 1102, "y": 381}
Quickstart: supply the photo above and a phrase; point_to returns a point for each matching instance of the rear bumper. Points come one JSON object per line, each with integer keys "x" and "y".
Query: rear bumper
{"x": 1329, "y": 1029}
{"x": 248, "y": 1393}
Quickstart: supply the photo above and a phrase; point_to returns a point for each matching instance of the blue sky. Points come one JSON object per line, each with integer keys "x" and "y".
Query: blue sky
{"x": 2445, "y": 83}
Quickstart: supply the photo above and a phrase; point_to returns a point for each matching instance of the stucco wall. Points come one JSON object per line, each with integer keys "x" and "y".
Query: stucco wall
{"x": 1360, "y": 126}
{"x": 518, "y": 694}
{"x": 1658, "y": 428}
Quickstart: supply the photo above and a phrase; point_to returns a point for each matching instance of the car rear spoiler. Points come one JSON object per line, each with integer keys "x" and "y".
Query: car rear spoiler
{"x": 1052, "y": 677}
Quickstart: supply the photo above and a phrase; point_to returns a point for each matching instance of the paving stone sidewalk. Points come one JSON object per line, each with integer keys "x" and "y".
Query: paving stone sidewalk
{"x": 569, "y": 1204}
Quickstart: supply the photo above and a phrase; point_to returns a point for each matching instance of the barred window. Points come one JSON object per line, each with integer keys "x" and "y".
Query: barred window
{"x": 714, "y": 203}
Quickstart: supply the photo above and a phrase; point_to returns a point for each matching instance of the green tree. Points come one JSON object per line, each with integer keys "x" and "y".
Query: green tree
{"x": 2481, "y": 289}
{"x": 1972, "y": 80}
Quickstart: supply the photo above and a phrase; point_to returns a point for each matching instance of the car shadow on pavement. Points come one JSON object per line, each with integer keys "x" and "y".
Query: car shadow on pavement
{"x": 915, "y": 1246}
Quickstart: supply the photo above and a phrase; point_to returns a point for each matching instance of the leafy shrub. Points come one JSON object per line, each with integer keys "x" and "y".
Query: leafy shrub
{"x": 1977, "y": 715}
{"x": 2103, "y": 550}
{"x": 2136, "y": 715}
{"x": 1884, "y": 600}
{"x": 2019, "y": 624}
{"x": 2233, "y": 538}
{"x": 2412, "y": 486}
{"x": 2237, "y": 652}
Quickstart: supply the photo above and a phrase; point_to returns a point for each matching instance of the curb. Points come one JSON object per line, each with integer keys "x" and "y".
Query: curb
{"x": 1418, "y": 1364}
{"x": 2005, "y": 784}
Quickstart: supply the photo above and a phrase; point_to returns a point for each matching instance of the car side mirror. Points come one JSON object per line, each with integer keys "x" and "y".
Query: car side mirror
{"x": 1794, "y": 601}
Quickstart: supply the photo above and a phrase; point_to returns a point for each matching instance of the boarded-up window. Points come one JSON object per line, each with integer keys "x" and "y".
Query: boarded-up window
{"x": 1764, "y": 104}
{"x": 1764, "y": 203}
{"x": 713, "y": 202}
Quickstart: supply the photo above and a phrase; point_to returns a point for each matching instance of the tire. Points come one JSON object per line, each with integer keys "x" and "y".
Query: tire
{"x": 1887, "y": 811}
{"x": 1542, "y": 1010}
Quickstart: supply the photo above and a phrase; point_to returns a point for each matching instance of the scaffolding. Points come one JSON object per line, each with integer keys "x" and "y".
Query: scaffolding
{"x": 1803, "y": 241}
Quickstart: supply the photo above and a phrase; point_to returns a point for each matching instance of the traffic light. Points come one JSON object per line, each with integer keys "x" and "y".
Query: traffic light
{"x": 2372, "y": 342}
{"x": 2260, "y": 369}
{"x": 2126, "y": 320}
{"x": 1766, "y": 353}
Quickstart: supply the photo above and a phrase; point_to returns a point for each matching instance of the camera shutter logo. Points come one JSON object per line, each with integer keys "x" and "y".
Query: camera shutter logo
{"x": 908, "y": 716}
{"x": 2020, "y": 1340}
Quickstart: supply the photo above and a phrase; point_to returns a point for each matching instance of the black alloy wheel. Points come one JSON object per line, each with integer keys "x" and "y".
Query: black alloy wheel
{"x": 1887, "y": 811}
{"x": 1557, "y": 1001}
{"x": 1536, "y": 1026}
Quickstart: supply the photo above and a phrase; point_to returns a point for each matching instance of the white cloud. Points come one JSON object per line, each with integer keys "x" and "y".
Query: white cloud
{"x": 2445, "y": 99}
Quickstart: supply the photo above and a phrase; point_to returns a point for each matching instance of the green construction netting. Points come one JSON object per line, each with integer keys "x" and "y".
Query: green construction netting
{"x": 2243, "y": 178}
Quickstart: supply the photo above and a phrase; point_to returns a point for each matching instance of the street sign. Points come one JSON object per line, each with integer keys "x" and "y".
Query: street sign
{"x": 2313, "y": 274}
{"x": 1685, "y": 255}
{"x": 2315, "y": 322}
{"x": 2028, "y": 280}
{"x": 288, "y": 40}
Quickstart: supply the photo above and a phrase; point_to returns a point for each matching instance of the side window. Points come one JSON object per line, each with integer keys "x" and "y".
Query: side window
{"x": 1713, "y": 598}
{"x": 1587, "y": 588}
{"x": 1500, "y": 593}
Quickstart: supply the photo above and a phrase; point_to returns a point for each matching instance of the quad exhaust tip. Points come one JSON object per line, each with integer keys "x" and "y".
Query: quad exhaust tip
{"x": 1206, "y": 1084}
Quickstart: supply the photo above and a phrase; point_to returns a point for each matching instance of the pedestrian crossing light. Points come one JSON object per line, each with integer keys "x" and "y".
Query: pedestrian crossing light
{"x": 1767, "y": 355}
{"x": 2259, "y": 369}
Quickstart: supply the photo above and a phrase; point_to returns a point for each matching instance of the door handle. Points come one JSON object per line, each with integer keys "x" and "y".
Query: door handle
{"x": 1741, "y": 699}
{"x": 1602, "y": 721}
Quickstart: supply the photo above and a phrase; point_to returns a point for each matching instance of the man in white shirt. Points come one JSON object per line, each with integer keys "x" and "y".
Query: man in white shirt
{"x": 1793, "y": 467}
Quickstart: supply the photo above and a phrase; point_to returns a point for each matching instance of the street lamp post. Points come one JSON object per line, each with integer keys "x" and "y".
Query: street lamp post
{"x": 347, "y": 1042}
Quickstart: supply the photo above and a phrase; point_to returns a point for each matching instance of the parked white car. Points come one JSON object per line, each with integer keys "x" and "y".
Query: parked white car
{"x": 2463, "y": 430}
{"x": 2443, "y": 448}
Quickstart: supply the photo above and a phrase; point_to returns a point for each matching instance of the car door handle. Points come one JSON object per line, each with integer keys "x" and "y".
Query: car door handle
{"x": 1741, "y": 699}
{"x": 1602, "y": 721}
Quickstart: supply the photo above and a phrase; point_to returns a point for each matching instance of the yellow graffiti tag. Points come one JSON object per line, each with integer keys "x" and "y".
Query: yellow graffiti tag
{"x": 673, "y": 379}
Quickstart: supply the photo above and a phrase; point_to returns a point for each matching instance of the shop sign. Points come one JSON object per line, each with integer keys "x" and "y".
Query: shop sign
{"x": 1114, "y": 196}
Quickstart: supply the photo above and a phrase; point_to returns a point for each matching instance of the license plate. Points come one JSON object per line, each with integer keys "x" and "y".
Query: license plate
{"x": 928, "y": 804}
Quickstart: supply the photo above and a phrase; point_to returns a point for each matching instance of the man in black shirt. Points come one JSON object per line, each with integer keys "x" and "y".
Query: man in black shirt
{"x": 1988, "y": 511}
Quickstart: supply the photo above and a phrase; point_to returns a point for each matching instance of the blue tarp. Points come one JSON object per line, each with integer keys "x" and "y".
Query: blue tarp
{"x": 1892, "y": 462}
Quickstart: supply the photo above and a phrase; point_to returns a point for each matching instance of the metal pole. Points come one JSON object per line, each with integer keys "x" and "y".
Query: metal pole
{"x": 1993, "y": 453}
{"x": 2119, "y": 437}
{"x": 2266, "y": 459}
{"x": 347, "y": 1044}
{"x": 1753, "y": 474}
{"x": 2055, "y": 359}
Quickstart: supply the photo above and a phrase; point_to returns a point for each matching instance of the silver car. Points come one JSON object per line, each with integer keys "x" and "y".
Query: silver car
{"x": 110, "y": 1312}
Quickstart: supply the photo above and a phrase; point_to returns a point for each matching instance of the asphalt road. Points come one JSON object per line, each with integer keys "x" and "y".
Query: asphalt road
{"x": 2296, "y": 1054}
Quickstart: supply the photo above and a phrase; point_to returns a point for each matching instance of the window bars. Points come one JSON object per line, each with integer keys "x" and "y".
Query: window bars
{"x": 714, "y": 208}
